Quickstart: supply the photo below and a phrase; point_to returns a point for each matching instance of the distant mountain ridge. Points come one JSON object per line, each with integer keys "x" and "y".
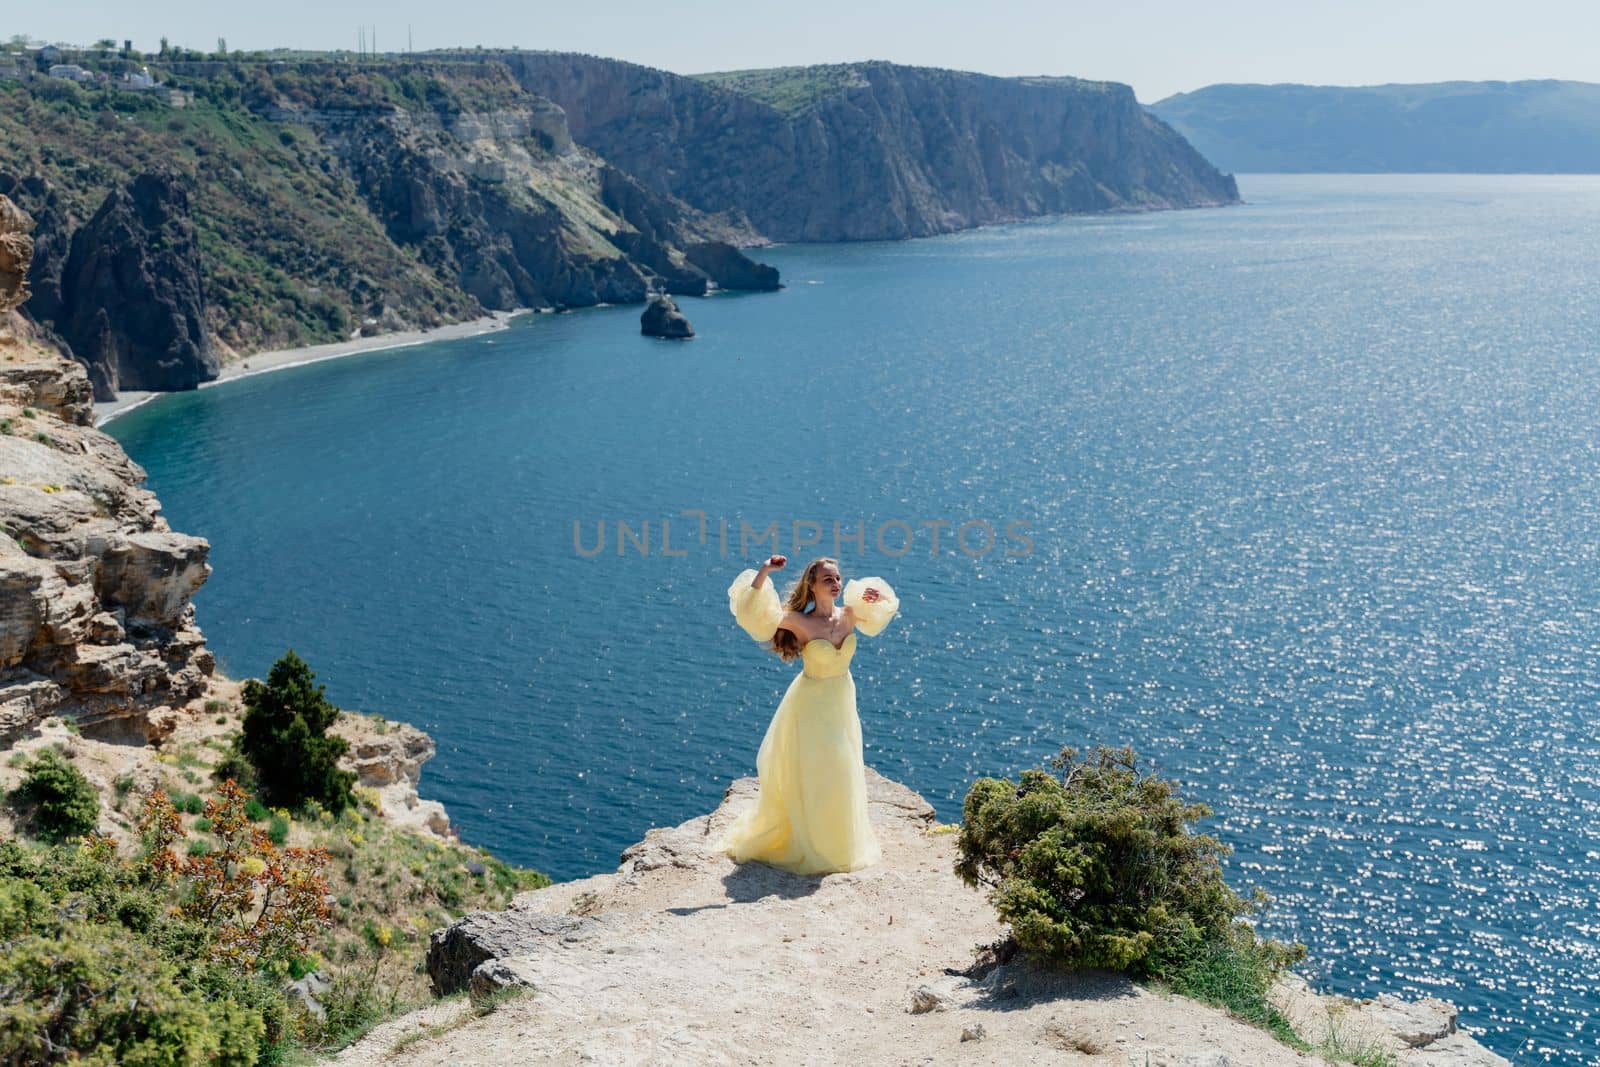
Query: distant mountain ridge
{"x": 1541, "y": 127}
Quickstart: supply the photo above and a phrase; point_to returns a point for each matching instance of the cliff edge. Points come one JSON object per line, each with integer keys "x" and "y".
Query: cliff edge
{"x": 95, "y": 587}
{"x": 684, "y": 956}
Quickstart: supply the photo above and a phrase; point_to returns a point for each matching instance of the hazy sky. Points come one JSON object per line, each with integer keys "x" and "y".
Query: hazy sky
{"x": 1157, "y": 46}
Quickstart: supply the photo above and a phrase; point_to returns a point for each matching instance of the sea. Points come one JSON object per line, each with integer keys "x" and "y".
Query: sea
{"x": 1299, "y": 498}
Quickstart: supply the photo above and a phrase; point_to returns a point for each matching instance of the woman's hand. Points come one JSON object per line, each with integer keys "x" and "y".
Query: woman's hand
{"x": 871, "y": 595}
{"x": 776, "y": 563}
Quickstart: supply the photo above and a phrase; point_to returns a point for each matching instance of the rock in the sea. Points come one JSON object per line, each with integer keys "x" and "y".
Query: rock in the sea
{"x": 731, "y": 268}
{"x": 663, "y": 319}
{"x": 135, "y": 306}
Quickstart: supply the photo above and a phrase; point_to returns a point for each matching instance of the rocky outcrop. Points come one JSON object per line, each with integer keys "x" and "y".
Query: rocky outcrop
{"x": 682, "y": 955}
{"x": 95, "y": 614}
{"x": 663, "y": 319}
{"x": 387, "y": 758}
{"x": 135, "y": 309}
{"x": 881, "y": 151}
{"x": 16, "y": 254}
{"x": 731, "y": 268}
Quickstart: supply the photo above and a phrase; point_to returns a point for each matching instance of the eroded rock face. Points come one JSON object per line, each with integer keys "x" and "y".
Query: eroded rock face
{"x": 95, "y": 587}
{"x": 134, "y": 305}
{"x": 387, "y": 758}
{"x": 16, "y": 253}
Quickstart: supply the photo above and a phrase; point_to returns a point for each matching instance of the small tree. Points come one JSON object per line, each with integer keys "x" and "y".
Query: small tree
{"x": 65, "y": 804}
{"x": 1100, "y": 867}
{"x": 286, "y": 738}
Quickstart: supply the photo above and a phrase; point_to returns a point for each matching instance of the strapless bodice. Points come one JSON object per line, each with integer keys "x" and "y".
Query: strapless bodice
{"x": 822, "y": 660}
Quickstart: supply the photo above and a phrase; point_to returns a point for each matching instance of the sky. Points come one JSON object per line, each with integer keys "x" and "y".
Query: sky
{"x": 1160, "y": 47}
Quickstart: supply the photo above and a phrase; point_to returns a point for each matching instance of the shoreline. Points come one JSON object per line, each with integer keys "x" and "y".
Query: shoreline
{"x": 284, "y": 358}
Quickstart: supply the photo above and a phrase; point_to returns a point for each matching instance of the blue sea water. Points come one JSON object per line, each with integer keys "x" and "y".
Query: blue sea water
{"x": 1299, "y": 498}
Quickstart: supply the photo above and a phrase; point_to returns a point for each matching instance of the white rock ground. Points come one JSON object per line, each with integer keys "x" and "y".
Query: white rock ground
{"x": 683, "y": 956}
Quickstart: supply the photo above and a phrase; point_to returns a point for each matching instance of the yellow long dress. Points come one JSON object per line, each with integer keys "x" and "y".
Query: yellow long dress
{"x": 811, "y": 813}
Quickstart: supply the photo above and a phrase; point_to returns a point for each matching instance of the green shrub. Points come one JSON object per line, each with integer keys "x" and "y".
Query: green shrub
{"x": 278, "y": 830}
{"x": 234, "y": 766}
{"x": 286, "y": 740}
{"x": 64, "y": 803}
{"x": 98, "y": 969}
{"x": 1097, "y": 865}
{"x": 87, "y": 990}
{"x": 256, "y": 811}
{"x": 189, "y": 803}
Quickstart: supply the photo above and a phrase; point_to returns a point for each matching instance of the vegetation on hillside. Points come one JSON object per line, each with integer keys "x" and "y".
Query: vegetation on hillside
{"x": 792, "y": 90}
{"x": 178, "y": 947}
{"x": 286, "y": 739}
{"x": 291, "y": 253}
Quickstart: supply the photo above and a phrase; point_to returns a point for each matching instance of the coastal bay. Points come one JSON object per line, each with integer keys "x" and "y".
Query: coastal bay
{"x": 1262, "y": 455}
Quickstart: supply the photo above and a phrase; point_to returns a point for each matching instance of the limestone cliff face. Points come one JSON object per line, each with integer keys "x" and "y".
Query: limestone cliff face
{"x": 885, "y": 152}
{"x": 95, "y": 588}
{"x": 133, "y": 302}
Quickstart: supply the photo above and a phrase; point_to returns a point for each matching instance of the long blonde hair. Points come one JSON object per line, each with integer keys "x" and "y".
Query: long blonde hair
{"x": 786, "y": 643}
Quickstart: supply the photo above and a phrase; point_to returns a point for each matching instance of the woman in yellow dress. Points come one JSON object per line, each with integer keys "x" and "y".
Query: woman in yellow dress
{"x": 811, "y": 814}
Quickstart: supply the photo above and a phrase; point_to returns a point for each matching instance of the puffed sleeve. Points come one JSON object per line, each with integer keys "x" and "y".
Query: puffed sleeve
{"x": 757, "y": 610}
{"x": 871, "y": 617}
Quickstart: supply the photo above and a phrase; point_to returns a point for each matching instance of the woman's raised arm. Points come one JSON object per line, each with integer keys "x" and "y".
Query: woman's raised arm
{"x": 754, "y": 601}
{"x": 873, "y": 603}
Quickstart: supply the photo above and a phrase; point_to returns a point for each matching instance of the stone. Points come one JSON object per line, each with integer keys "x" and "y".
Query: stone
{"x": 308, "y": 993}
{"x": 662, "y": 318}
{"x": 455, "y": 952}
{"x": 494, "y": 975}
{"x": 975, "y": 1032}
{"x": 925, "y": 998}
{"x": 1210, "y": 1058}
{"x": 1416, "y": 1023}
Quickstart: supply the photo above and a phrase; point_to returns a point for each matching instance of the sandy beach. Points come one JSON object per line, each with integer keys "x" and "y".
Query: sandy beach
{"x": 282, "y": 359}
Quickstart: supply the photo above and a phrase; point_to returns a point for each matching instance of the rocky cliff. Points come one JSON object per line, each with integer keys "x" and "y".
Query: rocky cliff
{"x": 306, "y": 202}
{"x": 95, "y": 588}
{"x": 133, "y": 301}
{"x": 684, "y": 956}
{"x": 875, "y": 151}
